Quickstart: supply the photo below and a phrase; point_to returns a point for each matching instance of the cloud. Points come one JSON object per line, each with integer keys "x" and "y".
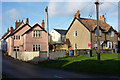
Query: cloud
{"x": 13, "y": 14}
{"x": 67, "y": 8}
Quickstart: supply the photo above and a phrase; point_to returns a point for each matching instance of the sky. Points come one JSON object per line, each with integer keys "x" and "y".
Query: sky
{"x": 61, "y": 12}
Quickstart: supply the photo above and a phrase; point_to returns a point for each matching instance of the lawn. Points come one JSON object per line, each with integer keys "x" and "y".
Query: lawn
{"x": 109, "y": 64}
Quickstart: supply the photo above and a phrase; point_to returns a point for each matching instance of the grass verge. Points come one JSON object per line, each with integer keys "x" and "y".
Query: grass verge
{"x": 109, "y": 65}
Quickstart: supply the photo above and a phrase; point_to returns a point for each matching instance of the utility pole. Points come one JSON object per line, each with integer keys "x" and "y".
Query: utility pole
{"x": 98, "y": 41}
{"x": 46, "y": 10}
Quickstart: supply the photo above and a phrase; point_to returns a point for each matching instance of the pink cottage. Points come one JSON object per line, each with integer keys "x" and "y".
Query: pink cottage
{"x": 27, "y": 38}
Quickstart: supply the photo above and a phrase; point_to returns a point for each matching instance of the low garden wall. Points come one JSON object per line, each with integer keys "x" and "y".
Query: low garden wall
{"x": 37, "y": 56}
{"x": 85, "y": 51}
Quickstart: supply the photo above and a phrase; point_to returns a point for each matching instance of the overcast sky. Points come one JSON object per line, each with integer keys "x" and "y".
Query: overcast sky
{"x": 61, "y": 13}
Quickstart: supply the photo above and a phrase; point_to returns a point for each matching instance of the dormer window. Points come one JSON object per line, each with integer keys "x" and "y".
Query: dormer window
{"x": 111, "y": 33}
{"x": 96, "y": 32}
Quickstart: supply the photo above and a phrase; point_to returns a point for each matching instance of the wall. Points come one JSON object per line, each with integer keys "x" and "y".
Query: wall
{"x": 85, "y": 51}
{"x": 36, "y": 56}
{"x": 83, "y": 35}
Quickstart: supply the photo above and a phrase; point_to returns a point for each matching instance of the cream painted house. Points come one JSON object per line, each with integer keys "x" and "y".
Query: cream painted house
{"x": 58, "y": 36}
{"x": 82, "y": 34}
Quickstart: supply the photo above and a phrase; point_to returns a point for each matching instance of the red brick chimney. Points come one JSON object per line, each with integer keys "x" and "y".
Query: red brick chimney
{"x": 77, "y": 15}
{"x": 17, "y": 23}
{"x": 43, "y": 24}
{"x": 11, "y": 29}
{"x": 27, "y": 21}
{"x": 102, "y": 18}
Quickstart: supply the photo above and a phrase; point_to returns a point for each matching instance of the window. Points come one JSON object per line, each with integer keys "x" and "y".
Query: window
{"x": 75, "y": 46}
{"x": 96, "y": 32}
{"x": 111, "y": 33}
{"x": 36, "y": 33}
{"x": 16, "y": 48}
{"x": 75, "y": 33}
{"x": 95, "y": 44}
{"x": 109, "y": 45}
{"x": 99, "y": 32}
{"x": 16, "y": 37}
{"x": 114, "y": 45}
{"x": 36, "y": 47}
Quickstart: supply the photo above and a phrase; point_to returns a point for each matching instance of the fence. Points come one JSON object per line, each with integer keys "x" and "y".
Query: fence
{"x": 37, "y": 56}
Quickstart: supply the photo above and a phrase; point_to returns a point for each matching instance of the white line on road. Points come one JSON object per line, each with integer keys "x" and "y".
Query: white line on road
{"x": 57, "y": 76}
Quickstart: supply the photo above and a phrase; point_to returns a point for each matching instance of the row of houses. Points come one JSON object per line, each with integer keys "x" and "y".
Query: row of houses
{"x": 26, "y": 38}
{"x": 81, "y": 34}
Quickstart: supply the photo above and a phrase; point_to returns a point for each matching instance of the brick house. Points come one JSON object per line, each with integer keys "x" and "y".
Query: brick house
{"x": 83, "y": 32}
{"x": 26, "y": 38}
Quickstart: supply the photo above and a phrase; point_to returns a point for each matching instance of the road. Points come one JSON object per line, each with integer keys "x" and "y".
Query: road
{"x": 18, "y": 69}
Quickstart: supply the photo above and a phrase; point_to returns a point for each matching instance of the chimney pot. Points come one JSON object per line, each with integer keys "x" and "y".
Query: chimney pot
{"x": 11, "y": 29}
{"x": 8, "y": 30}
{"x": 77, "y": 15}
{"x": 22, "y": 21}
{"x": 102, "y": 16}
{"x": 27, "y": 21}
{"x": 78, "y": 12}
{"x": 43, "y": 24}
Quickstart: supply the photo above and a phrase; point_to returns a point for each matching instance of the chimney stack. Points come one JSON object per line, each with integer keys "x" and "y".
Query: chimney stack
{"x": 43, "y": 24}
{"x": 17, "y": 23}
{"x": 11, "y": 29}
{"x": 77, "y": 15}
{"x": 27, "y": 21}
{"x": 102, "y": 18}
{"x": 8, "y": 30}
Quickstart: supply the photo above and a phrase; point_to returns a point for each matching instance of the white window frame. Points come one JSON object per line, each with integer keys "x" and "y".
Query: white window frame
{"x": 99, "y": 32}
{"x": 16, "y": 48}
{"x": 111, "y": 33}
{"x": 17, "y": 37}
{"x": 75, "y": 33}
{"x": 75, "y": 45}
{"x": 36, "y": 33}
{"x": 36, "y": 46}
{"x": 109, "y": 44}
{"x": 95, "y": 44}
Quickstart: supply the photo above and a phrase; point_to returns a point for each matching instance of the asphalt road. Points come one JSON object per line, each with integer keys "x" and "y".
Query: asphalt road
{"x": 18, "y": 69}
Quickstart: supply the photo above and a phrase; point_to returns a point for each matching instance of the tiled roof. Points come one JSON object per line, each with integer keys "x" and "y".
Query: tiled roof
{"x": 61, "y": 31}
{"x": 91, "y": 24}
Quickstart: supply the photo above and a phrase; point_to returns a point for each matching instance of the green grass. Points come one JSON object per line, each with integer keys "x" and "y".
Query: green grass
{"x": 109, "y": 65}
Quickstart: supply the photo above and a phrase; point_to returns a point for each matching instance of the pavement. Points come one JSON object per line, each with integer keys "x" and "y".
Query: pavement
{"x": 13, "y": 68}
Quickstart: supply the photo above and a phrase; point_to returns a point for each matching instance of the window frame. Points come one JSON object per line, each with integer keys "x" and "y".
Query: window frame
{"x": 16, "y": 48}
{"x": 75, "y": 33}
{"x": 36, "y": 34}
{"x": 36, "y": 47}
{"x": 16, "y": 37}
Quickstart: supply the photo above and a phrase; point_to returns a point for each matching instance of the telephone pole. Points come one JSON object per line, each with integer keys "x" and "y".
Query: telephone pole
{"x": 98, "y": 41}
{"x": 46, "y": 10}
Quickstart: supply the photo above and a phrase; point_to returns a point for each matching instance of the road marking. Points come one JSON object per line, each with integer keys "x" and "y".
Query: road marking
{"x": 58, "y": 76}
